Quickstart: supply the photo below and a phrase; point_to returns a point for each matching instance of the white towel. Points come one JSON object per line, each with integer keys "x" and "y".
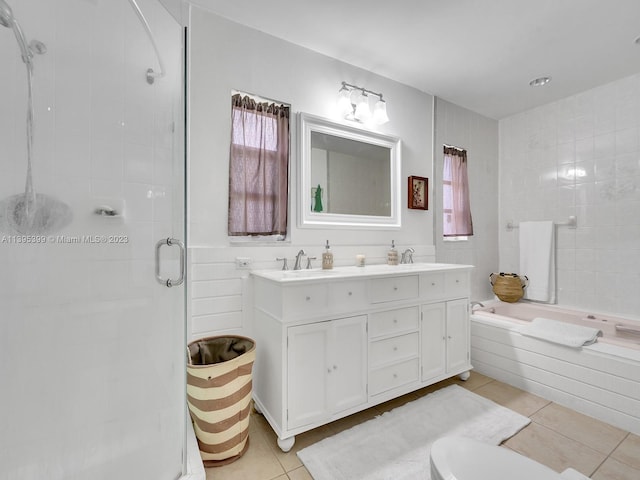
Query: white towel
{"x": 562, "y": 333}
{"x": 538, "y": 260}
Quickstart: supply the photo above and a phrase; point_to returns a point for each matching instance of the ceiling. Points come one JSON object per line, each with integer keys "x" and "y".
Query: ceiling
{"x": 477, "y": 54}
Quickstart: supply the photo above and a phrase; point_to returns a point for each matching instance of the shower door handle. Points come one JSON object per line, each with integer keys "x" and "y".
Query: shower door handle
{"x": 170, "y": 242}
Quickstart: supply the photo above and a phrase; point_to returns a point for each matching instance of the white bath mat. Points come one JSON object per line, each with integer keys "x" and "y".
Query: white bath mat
{"x": 396, "y": 445}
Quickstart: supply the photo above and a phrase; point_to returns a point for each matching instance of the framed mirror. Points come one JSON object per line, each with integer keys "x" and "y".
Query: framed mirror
{"x": 349, "y": 177}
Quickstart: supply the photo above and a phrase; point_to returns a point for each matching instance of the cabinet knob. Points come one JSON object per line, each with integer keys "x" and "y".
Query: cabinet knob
{"x": 335, "y": 367}
{"x": 395, "y": 289}
{"x": 433, "y": 284}
{"x": 449, "y": 336}
{"x": 444, "y": 338}
{"x": 395, "y": 349}
{"x": 395, "y": 320}
{"x": 308, "y": 298}
{"x": 328, "y": 370}
{"x": 350, "y": 293}
{"x": 395, "y": 375}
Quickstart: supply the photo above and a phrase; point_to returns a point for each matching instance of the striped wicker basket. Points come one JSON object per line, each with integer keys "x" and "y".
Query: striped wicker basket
{"x": 508, "y": 287}
{"x": 219, "y": 396}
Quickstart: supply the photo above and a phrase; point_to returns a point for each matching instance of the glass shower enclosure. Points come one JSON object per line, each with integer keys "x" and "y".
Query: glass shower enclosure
{"x": 92, "y": 175}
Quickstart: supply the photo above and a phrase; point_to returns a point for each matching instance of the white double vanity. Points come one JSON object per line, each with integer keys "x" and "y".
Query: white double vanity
{"x": 333, "y": 342}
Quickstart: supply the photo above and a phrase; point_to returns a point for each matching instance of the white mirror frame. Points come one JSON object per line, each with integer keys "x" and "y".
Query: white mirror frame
{"x": 310, "y": 219}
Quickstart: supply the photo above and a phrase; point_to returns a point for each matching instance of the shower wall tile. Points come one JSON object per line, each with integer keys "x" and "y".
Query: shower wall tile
{"x": 596, "y": 139}
{"x": 63, "y": 303}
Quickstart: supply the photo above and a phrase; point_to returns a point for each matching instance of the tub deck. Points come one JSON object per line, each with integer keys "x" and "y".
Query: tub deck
{"x": 601, "y": 380}
{"x": 616, "y": 330}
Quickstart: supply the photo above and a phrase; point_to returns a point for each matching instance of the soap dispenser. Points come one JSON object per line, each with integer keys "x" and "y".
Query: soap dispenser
{"x": 392, "y": 254}
{"x": 327, "y": 258}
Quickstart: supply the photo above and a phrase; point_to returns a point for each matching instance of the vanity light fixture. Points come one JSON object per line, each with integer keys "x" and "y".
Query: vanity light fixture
{"x": 362, "y": 112}
{"x": 353, "y": 104}
{"x": 540, "y": 81}
{"x": 344, "y": 101}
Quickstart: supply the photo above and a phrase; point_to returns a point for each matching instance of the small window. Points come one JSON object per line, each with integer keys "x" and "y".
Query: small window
{"x": 457, "y": 224}
{"x": 258, "y": 169}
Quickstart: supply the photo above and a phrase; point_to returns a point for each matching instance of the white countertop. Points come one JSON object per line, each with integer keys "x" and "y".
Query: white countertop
{"x": 286, "y": 276}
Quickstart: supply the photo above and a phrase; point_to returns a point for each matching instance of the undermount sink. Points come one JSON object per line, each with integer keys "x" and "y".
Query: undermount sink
{"x": 308, "y": 273}
{"x": 351, "y": 271}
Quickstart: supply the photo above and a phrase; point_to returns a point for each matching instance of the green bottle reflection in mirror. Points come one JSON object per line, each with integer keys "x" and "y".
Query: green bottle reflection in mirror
{"x": 317, "y": 206}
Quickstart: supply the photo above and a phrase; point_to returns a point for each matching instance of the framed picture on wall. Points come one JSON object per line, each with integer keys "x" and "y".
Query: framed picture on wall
{"x": 418, "y": 193}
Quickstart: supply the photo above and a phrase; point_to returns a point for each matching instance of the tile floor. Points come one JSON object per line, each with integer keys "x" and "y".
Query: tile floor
{"x": 557, "y": 437}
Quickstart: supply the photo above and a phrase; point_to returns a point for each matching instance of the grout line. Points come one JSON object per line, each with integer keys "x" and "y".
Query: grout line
{"x": 619, "y": 460}
{"x": 543, "y": 406}
{"x": 599, "y": 465}
{"x": 577, "y": 441}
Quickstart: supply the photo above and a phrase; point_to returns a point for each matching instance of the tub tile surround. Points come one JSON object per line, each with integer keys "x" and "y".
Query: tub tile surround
{"x": 579, "y": 156}
{"x": 569, "y": 442}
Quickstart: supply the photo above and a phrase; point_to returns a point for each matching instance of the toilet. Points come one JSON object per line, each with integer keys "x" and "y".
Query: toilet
{"x": 460, "y": 458}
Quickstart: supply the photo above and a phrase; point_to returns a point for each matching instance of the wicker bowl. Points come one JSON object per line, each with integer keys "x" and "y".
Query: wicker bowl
{"x": 508, "y": 287}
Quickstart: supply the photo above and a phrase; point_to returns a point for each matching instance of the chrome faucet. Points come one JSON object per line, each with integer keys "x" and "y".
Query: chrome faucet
{"x": 407, "y": 256}
{"x": 298, "y": 257}
{"x": 473, "y": 304}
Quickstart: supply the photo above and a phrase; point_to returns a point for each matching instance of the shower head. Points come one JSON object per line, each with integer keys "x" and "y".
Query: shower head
{"x": 6, "y": 15}
{"x": 8, "y": 20}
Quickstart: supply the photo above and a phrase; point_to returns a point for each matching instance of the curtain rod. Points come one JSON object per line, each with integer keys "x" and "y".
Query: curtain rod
{"x": 454, "y": 147}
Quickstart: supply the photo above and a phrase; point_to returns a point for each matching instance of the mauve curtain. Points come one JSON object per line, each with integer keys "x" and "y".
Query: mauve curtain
{"x": 457, "y": 221}
{"x": 258, "y": 167}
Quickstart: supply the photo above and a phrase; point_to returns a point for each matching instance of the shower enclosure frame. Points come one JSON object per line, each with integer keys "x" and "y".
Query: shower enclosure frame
{"x": 113, "y": 337}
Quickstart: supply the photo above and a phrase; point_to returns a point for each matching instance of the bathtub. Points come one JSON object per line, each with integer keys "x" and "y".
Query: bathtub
{"x": 601, "y": 380}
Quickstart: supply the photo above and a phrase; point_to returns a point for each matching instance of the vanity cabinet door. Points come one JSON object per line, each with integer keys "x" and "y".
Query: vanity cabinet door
{"x": 327, "y": 365}
{"x": 445, "y": 338}
{"x": 433, "y": 340}
{"x": 457, "y": 335}
{"x": 347, "y": 380}
{"x": 308, "y": 358}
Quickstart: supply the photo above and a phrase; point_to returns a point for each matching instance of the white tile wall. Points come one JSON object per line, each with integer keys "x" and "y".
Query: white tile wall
{"x": 309, "y": 82}
{"x": 579, "y": 156}
{"x": 220, "y": 294}
{"x": 458, "y": 126}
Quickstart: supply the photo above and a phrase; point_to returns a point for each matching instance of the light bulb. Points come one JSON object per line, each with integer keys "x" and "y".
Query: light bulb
{"x": 380, "y": 112}
{"x": 344, "y": 101}
{"x": 363, "y": 112}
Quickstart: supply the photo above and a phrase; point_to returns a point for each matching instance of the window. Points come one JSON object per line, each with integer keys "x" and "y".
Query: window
{"x": 456, "y": 209}
{"x": 258, "y": 168}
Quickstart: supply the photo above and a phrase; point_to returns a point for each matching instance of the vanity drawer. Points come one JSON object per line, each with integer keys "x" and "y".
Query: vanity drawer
{"x": 457, "y": 284}
{"x": 394, "y": 288}
{"x": 393, "y": 322}
{"x": 347, "y": 296}
{"x": 386, "y": 378}
{"x": 304, "y": 299}
{"x": 432, "y": 285}
{"x": 393, "y": 349}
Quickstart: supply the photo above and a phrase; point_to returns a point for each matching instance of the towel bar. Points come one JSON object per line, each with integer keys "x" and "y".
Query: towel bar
{"x": 572, "y": 222}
